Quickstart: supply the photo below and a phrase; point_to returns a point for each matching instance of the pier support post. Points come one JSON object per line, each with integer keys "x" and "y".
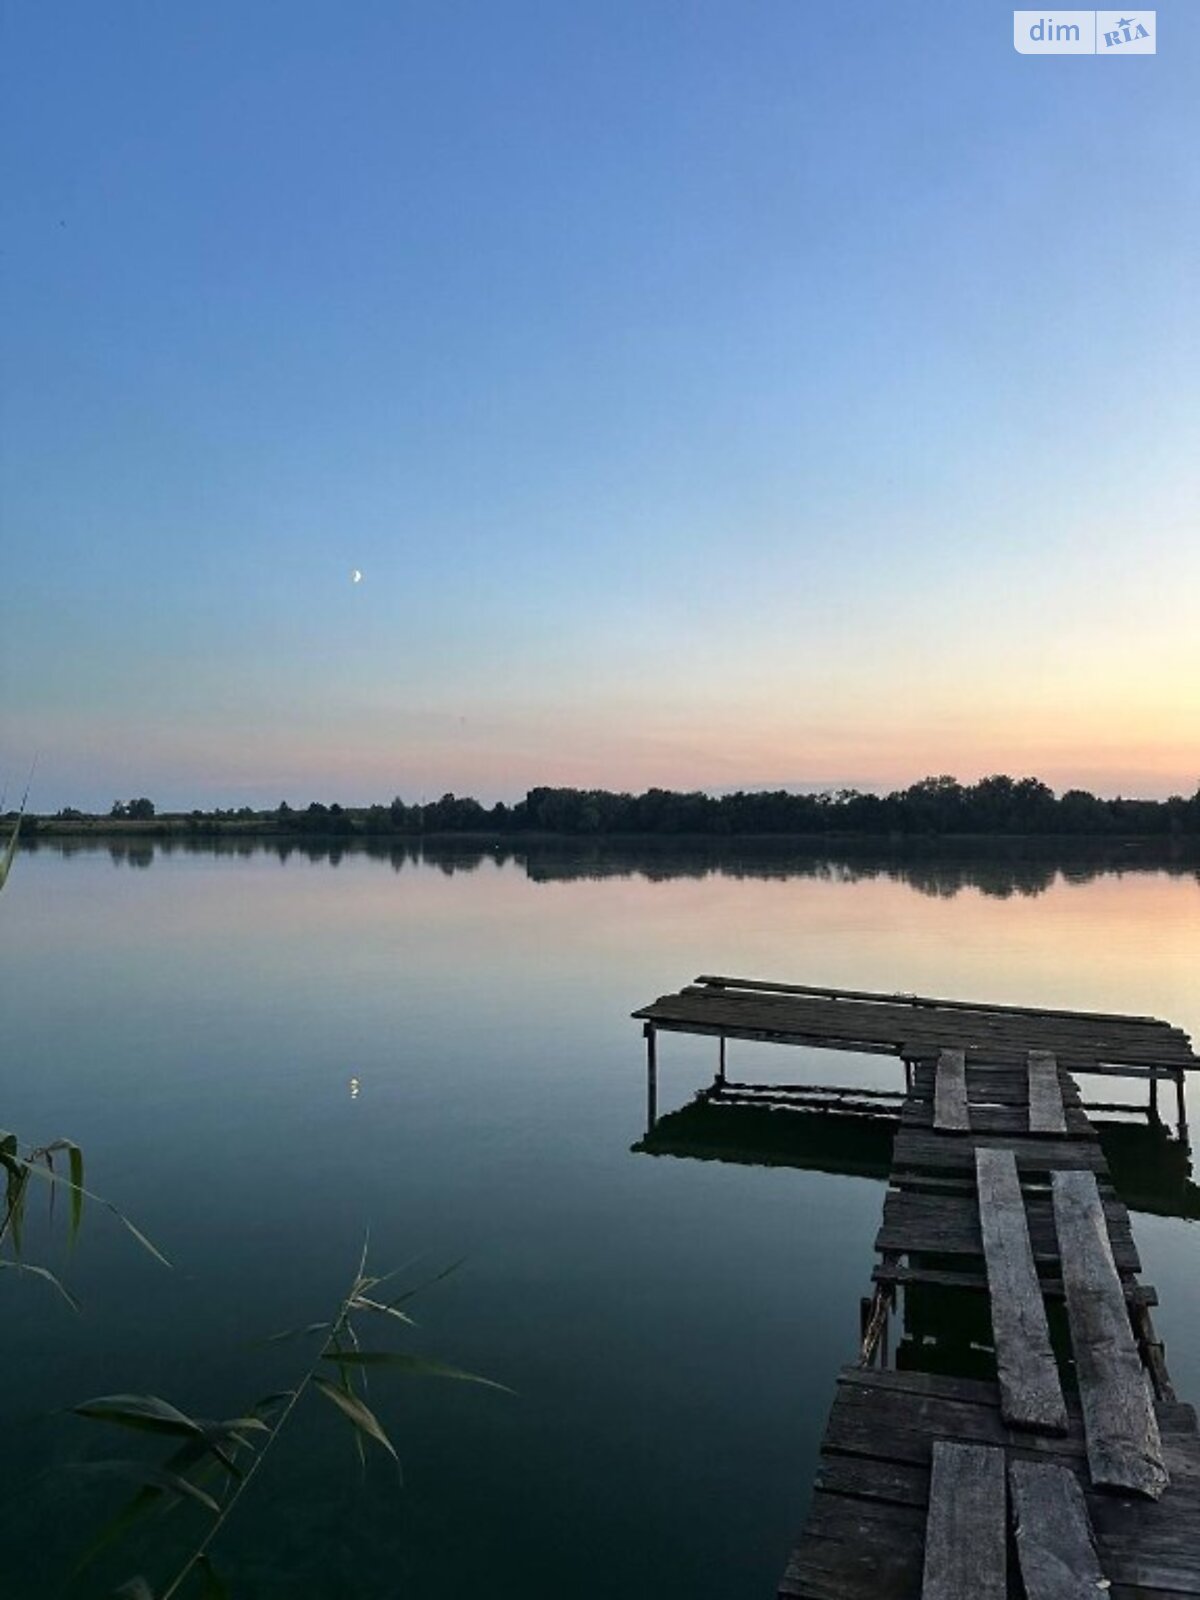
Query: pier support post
{"x": 1181, "y": 1107}
{"x": 1153, "y": 1109}
{"x": 721, "y": 1061}
{"x": 651, "y": 1076}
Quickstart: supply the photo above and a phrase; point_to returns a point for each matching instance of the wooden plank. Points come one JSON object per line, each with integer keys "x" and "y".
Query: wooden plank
{"x": 856, "y": 1549}
{"x": 1153, "y": 1041}
{"x": 1055, "y": 1544}
{"x": 1046, "y": 1113}
{"x": 1137, "y": 1294}
{"x": 865, "y": 1477}
{"x": 950, "y": 1094}
{"x": 995, "y": 1119}
{"x": 1124, "y": 1447}
{"x": 1030, "y": 1393}
{"x": 904, "y": 1022}
{"x": 948, "y": 1224}
{"x": 921, "y": 1147}
{"x": 924, "y": 1000}
{"x": 1174, "y": 1416}
{"x": 897, "y": 1426}
{"x": 991, "y": 1082}
{"x": 725, "y": 1029}
{"x": 965, "y": 1533}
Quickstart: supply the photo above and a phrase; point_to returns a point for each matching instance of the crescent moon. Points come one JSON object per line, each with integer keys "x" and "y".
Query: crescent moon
{"x": 356, "y": 576}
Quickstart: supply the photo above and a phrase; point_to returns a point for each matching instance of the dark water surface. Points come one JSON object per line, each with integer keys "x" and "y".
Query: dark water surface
{"x": 263, "y": 1056}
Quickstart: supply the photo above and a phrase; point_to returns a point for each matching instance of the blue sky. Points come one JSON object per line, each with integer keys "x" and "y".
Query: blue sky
{"x": 709, "y": 394}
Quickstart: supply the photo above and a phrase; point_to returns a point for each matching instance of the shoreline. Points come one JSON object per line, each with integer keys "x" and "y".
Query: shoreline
{"x": 185, "y": 828}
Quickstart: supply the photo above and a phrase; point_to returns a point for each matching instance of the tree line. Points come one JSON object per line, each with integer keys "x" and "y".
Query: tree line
{"x": 997, "y": 805}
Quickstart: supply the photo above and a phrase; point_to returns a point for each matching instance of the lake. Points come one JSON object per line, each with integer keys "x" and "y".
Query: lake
{"x": 266, "y": 1053}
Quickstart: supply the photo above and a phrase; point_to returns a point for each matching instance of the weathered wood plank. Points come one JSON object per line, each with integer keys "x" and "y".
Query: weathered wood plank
{"x": 965, "y": 1533}
{"x": 921, "y": 1147}
{"x": 950, "y": 1094}
{"x": 1055, "y": 1544}
{"x": 901, "y": 999}
{"x": 1045, "y": 1096}
{"x": 1124, "y": 1447}
{"x": 1175, "y": 1417}
{"x": 997, "y": 1120}
{"x": 1137, "y": 1294}
{"x": 948, "y": 1224}
{"x": 1030, "y": 1393}
{"x": 920, "y": 1031}
{"x": 991, "y": 1083}
{"x": 779, "y": 1026}
{"x": 856, "y": 1549}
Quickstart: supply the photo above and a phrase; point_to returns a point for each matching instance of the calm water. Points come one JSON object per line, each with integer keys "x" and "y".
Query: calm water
{"x": 672, "y": 1327}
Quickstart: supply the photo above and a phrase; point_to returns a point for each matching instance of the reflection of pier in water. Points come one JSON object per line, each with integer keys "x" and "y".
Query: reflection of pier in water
{"x": 849, "y": 1131}
{"x": 1007, "y": 1352}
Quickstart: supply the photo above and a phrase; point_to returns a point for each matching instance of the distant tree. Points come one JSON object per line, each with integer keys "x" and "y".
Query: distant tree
{"x": 934, "y": 805}
{"x": 140, "y": 810}
{"x": 1082, "y": 812}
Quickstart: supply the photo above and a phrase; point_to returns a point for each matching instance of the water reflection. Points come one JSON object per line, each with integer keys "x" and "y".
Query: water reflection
{"x": 772, "y": 1125}
{"x": 941, "y": 869}
{"x": 1152, "y": 1170}
{"x": 133, "y": 853}
{"x": 942, "y": 1328}
{"x": 715, "y": 1129}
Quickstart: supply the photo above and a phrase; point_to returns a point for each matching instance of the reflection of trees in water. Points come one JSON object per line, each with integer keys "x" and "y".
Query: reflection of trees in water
{"x": 998, "y": 868}
{"x": 136, "y": 853}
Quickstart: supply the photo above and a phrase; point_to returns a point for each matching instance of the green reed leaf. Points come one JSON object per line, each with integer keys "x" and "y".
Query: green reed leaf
{"x": 142, "y": 1502}
{"x": 360, "y": 1414}
{"x": 144, "y": 1412}
{"x": 415, "y": 1366}
{"x": 272, "y": 1402}
{"x": 362, "y": 1303}
{"x": 426, "y": 1283}
{"x": 212, "y": 1586}
{"x": 151, "y": 1477}
{"x": 75, "y": 1163}
{"x": 17, "y": 1185}
{"x": 53, "y": 1177}
{"x": 137, "y": 1234}
{"x": 134, "y": 1589}
{"x": 293, "y": 1333}
{"x": 46, "y": 1275}
{"x": 10, "y": 850}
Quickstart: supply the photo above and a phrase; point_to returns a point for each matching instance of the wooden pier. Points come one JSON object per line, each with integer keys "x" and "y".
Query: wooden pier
{"x": 1026, "y": 1439}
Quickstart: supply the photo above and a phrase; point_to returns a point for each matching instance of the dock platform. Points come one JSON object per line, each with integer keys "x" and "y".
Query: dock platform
{"x": 1025, "y": 1438}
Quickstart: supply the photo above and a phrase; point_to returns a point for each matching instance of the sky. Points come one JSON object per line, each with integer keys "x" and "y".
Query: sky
{"x": 720, "y": 393}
